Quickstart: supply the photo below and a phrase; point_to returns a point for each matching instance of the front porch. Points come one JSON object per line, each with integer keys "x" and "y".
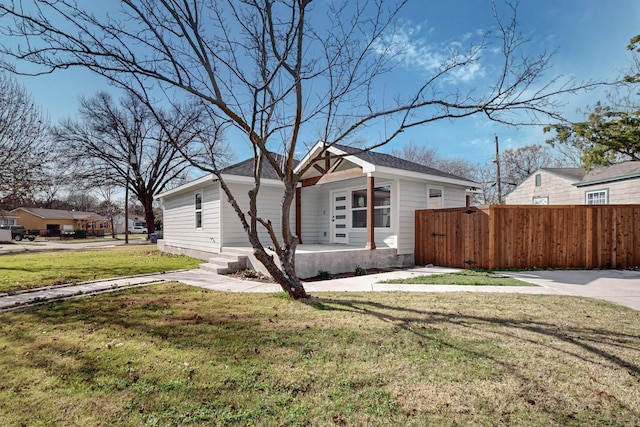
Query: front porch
{"x": 333, "y": 258}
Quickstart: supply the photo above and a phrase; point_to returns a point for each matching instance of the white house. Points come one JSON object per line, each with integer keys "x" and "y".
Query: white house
{"x": 615, "y": 184}
{"x": 330, "y": 214}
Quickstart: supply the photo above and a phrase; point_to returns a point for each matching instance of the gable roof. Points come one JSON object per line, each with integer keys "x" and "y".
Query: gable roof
{"x": 617, "y": 172}
{"x": 573, "y": 174}
{"x": 7, "y": 214}
{"x": 372, "y": 161}
{"x": 581, "y": 178}
{"x": 387, "y": 160}
{"x": 60, "y": 214}
{"x": 245, "y": 168}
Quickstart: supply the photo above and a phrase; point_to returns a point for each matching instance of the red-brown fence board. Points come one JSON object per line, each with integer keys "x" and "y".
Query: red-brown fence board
{"x": 505, "y": 236}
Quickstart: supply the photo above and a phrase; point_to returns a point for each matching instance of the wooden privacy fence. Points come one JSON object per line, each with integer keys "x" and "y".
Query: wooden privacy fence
{"x": 500, "y": 237}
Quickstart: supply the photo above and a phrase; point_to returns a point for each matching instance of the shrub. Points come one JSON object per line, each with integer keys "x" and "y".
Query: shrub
{"x": 324, "y": 275}
{"x": 360, "y": 271}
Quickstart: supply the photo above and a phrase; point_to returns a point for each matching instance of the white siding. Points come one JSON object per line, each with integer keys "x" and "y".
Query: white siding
{"x": 269, "y": 208}
{"x": 412, "y": 195}
{"x": 324, "y": 213}
{"x": 316, "y": 214}
{"x": 179, "y": 220}
{"x": 558, "y": 189}
{"x": 312, "y": 214}
{"x": 620, "y": 192}
{"x": 454, "y": 197}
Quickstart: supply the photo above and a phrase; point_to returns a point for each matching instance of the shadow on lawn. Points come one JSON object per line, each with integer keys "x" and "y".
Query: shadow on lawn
{"x": 588, "y": 339}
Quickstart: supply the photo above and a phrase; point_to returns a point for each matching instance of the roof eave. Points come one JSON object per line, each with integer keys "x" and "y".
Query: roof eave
{"x": 607, "y": 180}
{"x": 422, "y": 176}
{"x": 234, "y": 179}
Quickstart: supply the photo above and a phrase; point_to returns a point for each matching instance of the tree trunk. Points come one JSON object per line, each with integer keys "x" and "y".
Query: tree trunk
{"x": 149, "y": 217}
{"x": 289, "y": 283}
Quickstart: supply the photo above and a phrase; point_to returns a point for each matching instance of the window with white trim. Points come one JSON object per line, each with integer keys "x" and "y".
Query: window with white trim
{"x": 434, "y": 198}
{"x": 542, "y": 200}
{"x": 597, "y": 197}
{"x": 381, "y": 207}
{"x": 538, "y": 180}
{"x": 198, "y": 210}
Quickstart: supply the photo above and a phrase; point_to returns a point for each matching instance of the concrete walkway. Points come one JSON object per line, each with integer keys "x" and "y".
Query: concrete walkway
{"x": 621, "y": 287}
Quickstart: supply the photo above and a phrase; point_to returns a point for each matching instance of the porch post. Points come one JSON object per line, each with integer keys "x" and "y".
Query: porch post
{"x": 299, "y": 214}
{"x": 371, "y": 240}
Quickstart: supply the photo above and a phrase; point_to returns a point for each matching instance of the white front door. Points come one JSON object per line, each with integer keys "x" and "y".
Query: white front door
{"x": 339, "y": 217}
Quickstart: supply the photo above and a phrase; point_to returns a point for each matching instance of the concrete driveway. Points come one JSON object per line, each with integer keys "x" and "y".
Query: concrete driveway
{"x": 618, "y": 286}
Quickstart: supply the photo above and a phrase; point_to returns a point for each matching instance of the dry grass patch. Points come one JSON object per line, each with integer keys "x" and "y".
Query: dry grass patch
{"x": 176, "y": 355}
{"x": 36, "y": 269}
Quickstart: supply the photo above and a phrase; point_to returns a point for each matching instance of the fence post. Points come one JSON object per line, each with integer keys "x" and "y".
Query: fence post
{"x": 492, "y": 237}
{"x": 614, "y": 238}
{"x": 589, "y": 242}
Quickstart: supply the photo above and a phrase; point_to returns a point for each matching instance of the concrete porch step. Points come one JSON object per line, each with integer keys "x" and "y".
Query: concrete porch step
{"x": 225, "y": 263}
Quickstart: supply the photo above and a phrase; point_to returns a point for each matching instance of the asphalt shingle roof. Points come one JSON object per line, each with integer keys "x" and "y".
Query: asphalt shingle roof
{"x": 62, "y": 214}
{"x": 574, "y": 174}
{"x": 387, "y": 160}
{"x": 607, "y": 173}
{"x": 245, "y": 168}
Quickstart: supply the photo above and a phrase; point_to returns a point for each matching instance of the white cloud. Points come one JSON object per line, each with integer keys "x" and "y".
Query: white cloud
{"x": 409, "y": 47}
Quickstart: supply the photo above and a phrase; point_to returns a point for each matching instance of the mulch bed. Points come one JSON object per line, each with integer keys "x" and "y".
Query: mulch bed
{"x": 257, "y": 277}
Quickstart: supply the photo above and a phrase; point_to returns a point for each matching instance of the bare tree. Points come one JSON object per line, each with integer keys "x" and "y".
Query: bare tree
{"x": 516, "y": 165}
{"x": 109, "y": 208}
{"x": 23, "y": 143}
{"x": 429, "y": 156}
{"x": 132, "y": 144}
{"x": 278, "y": 70}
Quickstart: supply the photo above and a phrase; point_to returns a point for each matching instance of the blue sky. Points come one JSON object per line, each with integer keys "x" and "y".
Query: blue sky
{"x": 589, "y": 37}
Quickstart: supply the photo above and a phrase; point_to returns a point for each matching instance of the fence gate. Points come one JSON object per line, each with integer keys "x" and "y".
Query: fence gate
{"x": 452, "y": 237}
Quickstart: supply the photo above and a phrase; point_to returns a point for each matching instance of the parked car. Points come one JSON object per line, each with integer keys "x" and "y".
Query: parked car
{"x": 137, "y": 229}
{"x": 18, "y": 232}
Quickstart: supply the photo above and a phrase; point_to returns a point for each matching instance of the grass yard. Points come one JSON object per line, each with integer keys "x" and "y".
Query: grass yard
{"x": 36, "y": 269}
{"x": 463, "y": 278}
{"x": 175, "y": 355}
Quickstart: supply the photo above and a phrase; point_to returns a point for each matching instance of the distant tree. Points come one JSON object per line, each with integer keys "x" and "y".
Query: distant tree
{"x": 608, "y": 136}
{"x": 279, "y": 70}
{"x": 132, "y": 144}
{"x": 611, "y": 131}
{"x": 23, "y": 144}
{"x": 109, "y": 207}
{"x": 418, "y": 153}
{"x": 81, "y": 201}
{"x": 515, "y": 166}
{"x": 430, "y": 156}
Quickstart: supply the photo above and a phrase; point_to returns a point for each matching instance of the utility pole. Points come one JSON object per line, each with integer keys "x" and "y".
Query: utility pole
{"x": 498, "y": 172}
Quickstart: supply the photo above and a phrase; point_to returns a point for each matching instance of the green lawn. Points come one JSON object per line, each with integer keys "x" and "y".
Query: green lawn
{"x": 176, "y": 355}
{"x": 36, "y": 269}
{"x": 463, "y": 278}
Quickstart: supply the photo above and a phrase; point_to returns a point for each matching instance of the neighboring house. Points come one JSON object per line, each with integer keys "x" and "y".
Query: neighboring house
{"x": 7, "y": 218}
{"x": 330, "y": 209}
{"x": 615, "y": 184}
{"x": 51, "y": 222}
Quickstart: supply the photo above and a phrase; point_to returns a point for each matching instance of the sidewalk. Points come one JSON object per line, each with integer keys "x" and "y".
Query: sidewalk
{"x": 41, "y": 244}
{"x": 217, "y": 282}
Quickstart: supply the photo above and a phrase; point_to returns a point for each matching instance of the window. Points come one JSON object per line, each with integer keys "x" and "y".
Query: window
{"x": 597, "y": 197}
{"x": 198, "y": 209}
{"x": 435, "y": 198}
{"x": 538, "y": 180}
{"x": 381, "y": 208}
{"x": 544, "y": 200}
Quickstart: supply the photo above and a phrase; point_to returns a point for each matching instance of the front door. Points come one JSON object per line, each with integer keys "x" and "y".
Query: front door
{"x": 339, "y": 217}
